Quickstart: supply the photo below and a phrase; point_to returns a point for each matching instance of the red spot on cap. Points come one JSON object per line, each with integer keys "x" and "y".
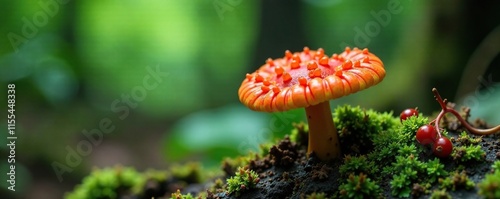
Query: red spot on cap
{"x": 347, "y": 65}
{"x": 323, "y": 61}
{"x": 302, "y": 81}
{"x": 276, "y": 90}
{"x": 312, "y": 65}
{"x": 347, "y": 50}
{"x": 287, "y": 77}
{"x": 266, "y": 82}
{"x": 324, "y": 77}
{"x": 317, "y": 72}
{"x": 366, "y": 60}
{"x": 320, "y": 52}
{"x": 259, "y": 78}
{"x": 357, "y": 64}
{"x": 249, "y": 77}
{"x": 270, "y": 62}
{"x": 279, "y": 71}
{"x": 265, "y": 89}
{"x": 306, "y": 50}
{"x": 295, "y": 64}
{"x": 288, "y": 54}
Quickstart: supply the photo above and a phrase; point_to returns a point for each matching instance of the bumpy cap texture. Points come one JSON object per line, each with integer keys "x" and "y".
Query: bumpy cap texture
{"x": 307, "y": 78}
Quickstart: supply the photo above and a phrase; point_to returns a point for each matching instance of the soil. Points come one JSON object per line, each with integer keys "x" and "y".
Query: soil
{"x": 288, "y": 172}
{"x": 309, "y": 175}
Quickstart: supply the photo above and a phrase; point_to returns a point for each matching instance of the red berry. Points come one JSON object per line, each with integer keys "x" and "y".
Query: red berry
{"x": 408, "y": 113}
{"x": 442, "y": 147}
{"x": 426, "y": 134}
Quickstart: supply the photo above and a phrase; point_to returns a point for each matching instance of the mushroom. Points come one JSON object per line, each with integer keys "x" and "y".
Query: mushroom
{"x": 309, "y": 79}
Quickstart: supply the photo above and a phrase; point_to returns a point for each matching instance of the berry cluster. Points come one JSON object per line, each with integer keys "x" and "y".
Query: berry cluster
{"x": 428, "y": 134}
{"x": 431, "y": 134}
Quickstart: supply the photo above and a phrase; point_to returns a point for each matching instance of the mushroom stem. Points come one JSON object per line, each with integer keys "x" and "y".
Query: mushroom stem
{"x": 323, "y": 137}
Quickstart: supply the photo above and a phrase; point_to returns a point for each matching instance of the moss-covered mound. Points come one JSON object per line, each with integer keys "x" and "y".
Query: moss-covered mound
{"x": 381, "y": 159}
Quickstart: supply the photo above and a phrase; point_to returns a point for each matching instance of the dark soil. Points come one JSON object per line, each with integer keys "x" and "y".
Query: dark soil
{"x": 287, "y": 171}
{"x": 282, "y": 179}
{"x": 475, "y": 170}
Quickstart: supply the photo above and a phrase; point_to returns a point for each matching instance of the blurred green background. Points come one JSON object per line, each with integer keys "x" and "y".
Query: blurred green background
{"x": 166, "y": 74}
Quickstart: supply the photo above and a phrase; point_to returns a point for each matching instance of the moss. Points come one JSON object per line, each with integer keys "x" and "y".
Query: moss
{"x": 408, "y": 169}
{"x": 383, "y": 156}
{"x": 419, "y": 189}
{"x": 400, "y": 139}
{"x": 490, "y": 186}
{"x": 243, "y": 180}
{"x": 440, "y": 194}
{"x": 230, "y": 165}
{"x": 359, "y": 186}
{"x": 395, "y": 150}
{"x": 179, "y": 195}
{"x": 407, "y": 150}
{"x": 459, "y": 180}
{"x": 358, "y": 127}
{"x": 356, "y": 165}
{"x": 410, "y": 127}
{"x": 299, "y": 134}
{"x": 316, "y": 196}
{"x": 400, "y": 185}
{"x": 265, "y": 148}
{"x": 212, "y": 188}
{"x": 435, "y": 170}
{"x": 155, "y": 185}
{"x": 189, "y": 173}
{"x": 468, "y": 153}
{"x": 156, "y": 175}
{"x": 108, "y": 183}
{"x": 381, "y": 149}
{"x": 216, "y": 186}
{"x": 356, "y": 119}
{"x": 465, "y": 139}
{"x": 320, "y": 172}
{"x": 496, "y": 166}
{"x": 409, "y": 162}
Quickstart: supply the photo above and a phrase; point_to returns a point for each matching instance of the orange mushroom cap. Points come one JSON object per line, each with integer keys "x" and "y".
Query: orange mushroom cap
{"x": 308, "y": 78}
